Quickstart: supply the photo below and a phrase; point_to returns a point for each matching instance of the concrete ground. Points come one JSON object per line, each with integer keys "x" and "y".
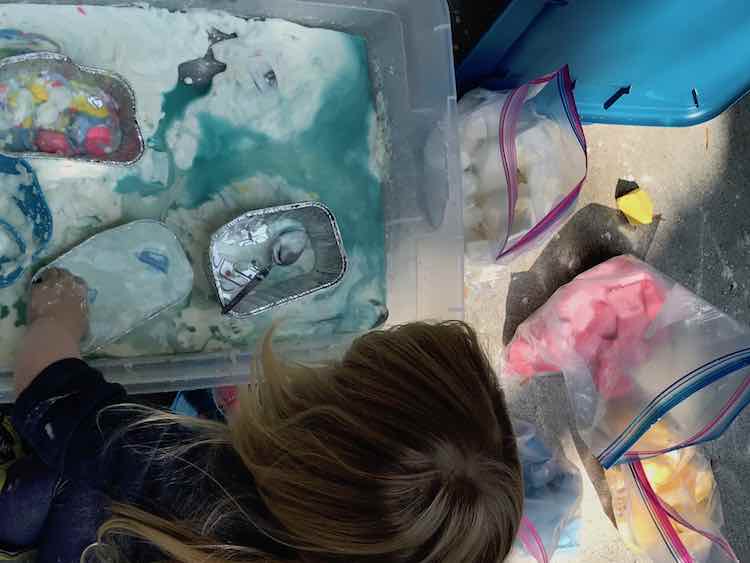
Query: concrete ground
{"x": 698, "y": 178}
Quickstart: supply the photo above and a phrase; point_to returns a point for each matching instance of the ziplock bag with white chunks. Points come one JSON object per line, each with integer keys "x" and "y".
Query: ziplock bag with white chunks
{"x": 552, "y": 497}
{"x": 668, "y": 509}
{"x": 649, "y": 366}
{"x": 523, "y": 154}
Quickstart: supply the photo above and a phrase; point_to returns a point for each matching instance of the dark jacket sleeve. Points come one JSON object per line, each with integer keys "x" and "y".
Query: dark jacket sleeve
{"x": 103, "y": 457}
{"x": 57, "y": 416}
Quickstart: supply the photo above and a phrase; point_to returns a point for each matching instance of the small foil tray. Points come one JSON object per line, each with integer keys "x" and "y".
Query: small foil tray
{"x": 237, "y": 250}
{"x": 131, "y": 146}
{"x": 134, "y": 273}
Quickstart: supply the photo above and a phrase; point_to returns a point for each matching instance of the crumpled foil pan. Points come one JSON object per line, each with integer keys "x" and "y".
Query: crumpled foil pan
{"x": 131, "y": 146}
{"x": 240, "y": 249}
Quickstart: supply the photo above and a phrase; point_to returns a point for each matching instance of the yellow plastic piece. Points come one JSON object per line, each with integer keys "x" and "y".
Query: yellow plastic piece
{"x": 81, "y": 103}
{"x": 39, "y": 92}
{"x": 637, "y": 207}
{"x": 27, "y": 122}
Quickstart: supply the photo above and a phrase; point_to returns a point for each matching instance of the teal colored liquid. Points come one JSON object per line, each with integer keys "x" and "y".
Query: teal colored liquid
{"x": 330, "y": 159}
{"x": 174, "y": 105}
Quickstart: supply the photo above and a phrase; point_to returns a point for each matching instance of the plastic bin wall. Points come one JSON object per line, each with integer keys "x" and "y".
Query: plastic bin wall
{"x": 636, "y": 62}
{"x": 411, "y": 63}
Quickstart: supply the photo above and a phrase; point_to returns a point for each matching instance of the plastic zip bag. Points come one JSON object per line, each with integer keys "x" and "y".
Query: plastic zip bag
{"x": 668, "y": 508}
{"x": 649, "y": 366}
{"x": 552, "y": 496}
{"x": 524, "y": 161}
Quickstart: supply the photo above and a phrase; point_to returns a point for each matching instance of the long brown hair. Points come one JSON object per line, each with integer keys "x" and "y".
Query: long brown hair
{"x": 401, "y": 452}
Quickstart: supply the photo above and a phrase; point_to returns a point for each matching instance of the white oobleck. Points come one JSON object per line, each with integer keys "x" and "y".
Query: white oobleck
{"x": 145, "y": 46}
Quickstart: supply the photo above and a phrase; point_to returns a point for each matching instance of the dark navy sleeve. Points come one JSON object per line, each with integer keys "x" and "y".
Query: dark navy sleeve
{"x": 104, "y": 454}
{"x": 57, "y": 416}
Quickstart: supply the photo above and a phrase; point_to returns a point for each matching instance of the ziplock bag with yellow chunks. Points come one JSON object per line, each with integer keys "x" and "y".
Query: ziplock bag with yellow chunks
{"x": 637, "y": 349}
{"x": 668, "y": 508}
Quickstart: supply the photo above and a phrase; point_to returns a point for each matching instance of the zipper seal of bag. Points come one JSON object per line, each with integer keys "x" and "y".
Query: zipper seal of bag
{"x": 663, "y": 515}
{"x": 532, "y": 541}
{"x": 507, "y": 134}
{"x": 675, "y": 394}
{"x": 718, "y": 540}
{"x": 659, "y": 516}
{"x": 510, "y": 160}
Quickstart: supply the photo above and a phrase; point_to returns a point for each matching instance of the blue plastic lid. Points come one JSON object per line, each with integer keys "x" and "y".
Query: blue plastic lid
{"x": 641, "y": 62}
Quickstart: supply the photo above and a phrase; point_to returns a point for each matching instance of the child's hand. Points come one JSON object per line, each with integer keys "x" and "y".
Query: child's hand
{"x": 61, "y": 297}
{"x": 58, "y": 319}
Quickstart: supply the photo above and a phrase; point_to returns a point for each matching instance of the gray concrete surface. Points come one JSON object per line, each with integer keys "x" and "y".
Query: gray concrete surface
{"x": 699, "y": 180}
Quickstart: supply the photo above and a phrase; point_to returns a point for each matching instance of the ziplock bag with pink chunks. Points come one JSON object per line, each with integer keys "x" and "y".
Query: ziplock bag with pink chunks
{"x": 649, "y": 366}
{"x": 552, "y": 497}
{"x": 668, "y": 509}
{"x": 523, "y": 154}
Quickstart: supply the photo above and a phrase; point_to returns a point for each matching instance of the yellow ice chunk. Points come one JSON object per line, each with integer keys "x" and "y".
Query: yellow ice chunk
{"x": 82, "y": 104}
{"x": 704, "y": 486}
{"x": 657, "y": 472}
{"x": 645, "y": 533}
{"x": 39, "y": 92}
{"x": 682, "y": 480}
{"x": 658, "y": 437}
{"x": 637, "y": 207}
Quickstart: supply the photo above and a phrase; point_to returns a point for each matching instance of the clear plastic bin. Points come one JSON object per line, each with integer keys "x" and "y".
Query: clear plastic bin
{"x": 411, "y": 64}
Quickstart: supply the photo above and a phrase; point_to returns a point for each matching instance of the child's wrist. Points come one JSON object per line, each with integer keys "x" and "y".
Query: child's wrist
{"x": 53, "y": 325}
{"x": 46, "y": 342}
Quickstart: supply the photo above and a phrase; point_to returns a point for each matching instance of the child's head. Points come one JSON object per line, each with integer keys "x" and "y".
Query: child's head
{"x": 401, "y": 452}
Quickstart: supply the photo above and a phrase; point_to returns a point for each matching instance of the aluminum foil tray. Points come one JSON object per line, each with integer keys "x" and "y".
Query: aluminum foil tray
{"x": 243, "y": 247}
{"x": 131, "y": 145}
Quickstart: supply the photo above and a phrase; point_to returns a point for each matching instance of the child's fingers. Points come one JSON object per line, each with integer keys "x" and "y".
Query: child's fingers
{"x": 76, "y": 282}
{"x": 55, "y": 284}
{"x": 50, "y": 277}
{"x": 81, "y": 288}
{"x": 59, "y": 277}
{"x": 62, "y": 276}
